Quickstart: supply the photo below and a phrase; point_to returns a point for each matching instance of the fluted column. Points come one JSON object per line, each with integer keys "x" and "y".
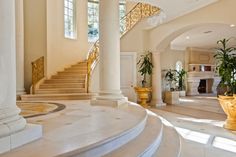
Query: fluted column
{"x": 19, "y": 47}
{"x": 10, "y": 121}
{"x": 156, "y": 80}
{"x": 109, "y": 42}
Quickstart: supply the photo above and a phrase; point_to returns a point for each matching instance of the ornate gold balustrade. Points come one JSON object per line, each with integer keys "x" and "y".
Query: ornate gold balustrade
{"x": 139, "y": 12}
{"x": 37, "y": 72}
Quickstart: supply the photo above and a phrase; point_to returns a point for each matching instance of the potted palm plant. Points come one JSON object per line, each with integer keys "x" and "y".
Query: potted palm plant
{"x": 180, "y": 77}
{"x": 227, "y": 71}
{"x": 145, "y": 68}
{"x": 171, "y": 78}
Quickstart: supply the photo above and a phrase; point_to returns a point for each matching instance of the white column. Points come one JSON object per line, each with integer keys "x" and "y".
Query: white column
{"x": 12, "y": 125}
{"x": 20, "y": 89}
{"x": 156, "y": 80}
{"x": 8, "y": 110}
{"x": 109, "y": 43}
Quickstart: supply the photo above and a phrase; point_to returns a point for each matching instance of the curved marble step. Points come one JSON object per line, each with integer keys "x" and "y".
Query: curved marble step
{"x": 76, "y": 76}
{"x": 145, "y": 144}
{"x": 170, "y": 145}
{"x": 61, "y": 85}
{"x": 60, "y": 90}
{"x": 77, "y": 134}
{"x": 77, "y": 68}
{"x": 70, "y": 96}
{"x": 72, "y": 72}
{"x": 76, "y": 80}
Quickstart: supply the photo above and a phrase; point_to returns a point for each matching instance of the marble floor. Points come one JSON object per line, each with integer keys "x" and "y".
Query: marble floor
{"x": 199, "y": 120}
{"x": 202, "y": 102}
{"x": 201, "y": 137}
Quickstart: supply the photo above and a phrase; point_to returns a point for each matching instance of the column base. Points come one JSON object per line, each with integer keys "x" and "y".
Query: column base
{"x": 30, "y": 133}
{"x": 157, "y": 103}
{"x": 110, "y": 103}
{"x": 19, "y": 92}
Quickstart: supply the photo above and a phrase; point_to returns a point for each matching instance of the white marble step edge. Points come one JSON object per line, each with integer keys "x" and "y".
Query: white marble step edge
{"x": 171, "y": 143}
{"x": 145, "y": 144}
{"x": 108, "y": 145}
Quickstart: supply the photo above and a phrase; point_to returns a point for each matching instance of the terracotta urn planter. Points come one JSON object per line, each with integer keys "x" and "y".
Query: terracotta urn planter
{"x": 143, "y": 95}
{"x": 228, "y": 103}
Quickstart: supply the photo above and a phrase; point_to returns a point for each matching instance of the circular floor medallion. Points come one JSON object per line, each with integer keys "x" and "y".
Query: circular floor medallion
{"x": 33, "y": 109}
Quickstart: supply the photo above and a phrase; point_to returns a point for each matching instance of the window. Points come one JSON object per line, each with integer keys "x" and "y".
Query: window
{"x": 93, "y": 18}
{"x": 70, "y": 19}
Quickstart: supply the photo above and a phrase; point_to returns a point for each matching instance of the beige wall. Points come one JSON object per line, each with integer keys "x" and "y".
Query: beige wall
{"x": 169, "y": 58}
{"x": 35, "y": 37}
{"x": 130, "y": 5}
{"x": 63, "y": 52}
{"x": 200, "y": 56}
{"x": 44, "y": 36}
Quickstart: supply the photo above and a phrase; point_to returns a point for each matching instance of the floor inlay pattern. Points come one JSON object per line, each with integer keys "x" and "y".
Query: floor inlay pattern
{"x": 33, "y": 109}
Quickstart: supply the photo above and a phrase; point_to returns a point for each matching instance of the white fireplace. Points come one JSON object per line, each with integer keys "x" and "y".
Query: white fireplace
{"x": 202, "y": 79}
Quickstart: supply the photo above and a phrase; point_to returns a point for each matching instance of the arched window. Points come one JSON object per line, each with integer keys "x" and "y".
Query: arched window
{"x": 179, "y": 66}
{"x": 70, "y": 19}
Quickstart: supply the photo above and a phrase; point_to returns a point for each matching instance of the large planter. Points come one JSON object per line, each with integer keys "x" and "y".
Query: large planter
{"x": 182, "y": 93}
{"x": 172, "y": 97}
{"x": 143, "y": 95}
{"x": 228, "y": 103}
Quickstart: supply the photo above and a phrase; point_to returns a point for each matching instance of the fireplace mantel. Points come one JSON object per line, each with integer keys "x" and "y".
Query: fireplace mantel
{"x": 194, "y": 81}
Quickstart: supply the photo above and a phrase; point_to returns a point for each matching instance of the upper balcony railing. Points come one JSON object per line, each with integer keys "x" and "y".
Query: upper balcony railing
{"x": 135, "y": 15}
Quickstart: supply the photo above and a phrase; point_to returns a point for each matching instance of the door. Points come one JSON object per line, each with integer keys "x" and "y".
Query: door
{"x": 128, "y": 75}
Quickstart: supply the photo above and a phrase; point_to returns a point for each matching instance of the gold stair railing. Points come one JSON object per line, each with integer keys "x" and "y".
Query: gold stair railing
{"x": 135, "y": 15}
{"x": 37, "y": 72}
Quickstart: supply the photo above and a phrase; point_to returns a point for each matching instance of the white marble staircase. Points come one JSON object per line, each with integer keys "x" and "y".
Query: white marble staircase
{"x": 69, "y": 84}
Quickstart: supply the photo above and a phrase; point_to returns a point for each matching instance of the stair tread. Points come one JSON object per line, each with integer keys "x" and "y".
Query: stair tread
{"x": 152, "y": 133}
{"x": 60, "y": 88}
{"x": 167, "y": 148}
{"x": 67, "y": 83}
{"x": 60, "y": 96}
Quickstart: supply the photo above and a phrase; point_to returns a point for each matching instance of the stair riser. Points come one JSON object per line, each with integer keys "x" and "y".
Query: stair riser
{"x": 74, "y": 71}
{"x": 35, "y": 98}
{"x": 56, "y": 81}
{"x": 68, "y": 77}
{"x": 58, "y": 92}
{"x": 79, "y": 66}
{"x": 61, "y": 86}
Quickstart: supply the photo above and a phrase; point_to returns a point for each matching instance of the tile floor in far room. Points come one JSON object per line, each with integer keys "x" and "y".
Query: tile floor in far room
{"x": 199, "y": 120}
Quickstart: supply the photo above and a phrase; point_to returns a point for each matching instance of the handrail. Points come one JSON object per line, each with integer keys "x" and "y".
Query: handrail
{"x": 136, "y": 14}
{"x": 37, "y": 72}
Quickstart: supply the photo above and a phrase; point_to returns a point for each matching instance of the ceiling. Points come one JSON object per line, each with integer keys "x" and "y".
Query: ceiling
{"x": 176, "y": 8}
{"x": 205, "y": 37}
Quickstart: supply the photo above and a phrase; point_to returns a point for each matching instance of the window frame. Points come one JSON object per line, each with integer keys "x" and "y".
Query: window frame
{"x": 93, "y": 40}
{"x": 74, "y": 19}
